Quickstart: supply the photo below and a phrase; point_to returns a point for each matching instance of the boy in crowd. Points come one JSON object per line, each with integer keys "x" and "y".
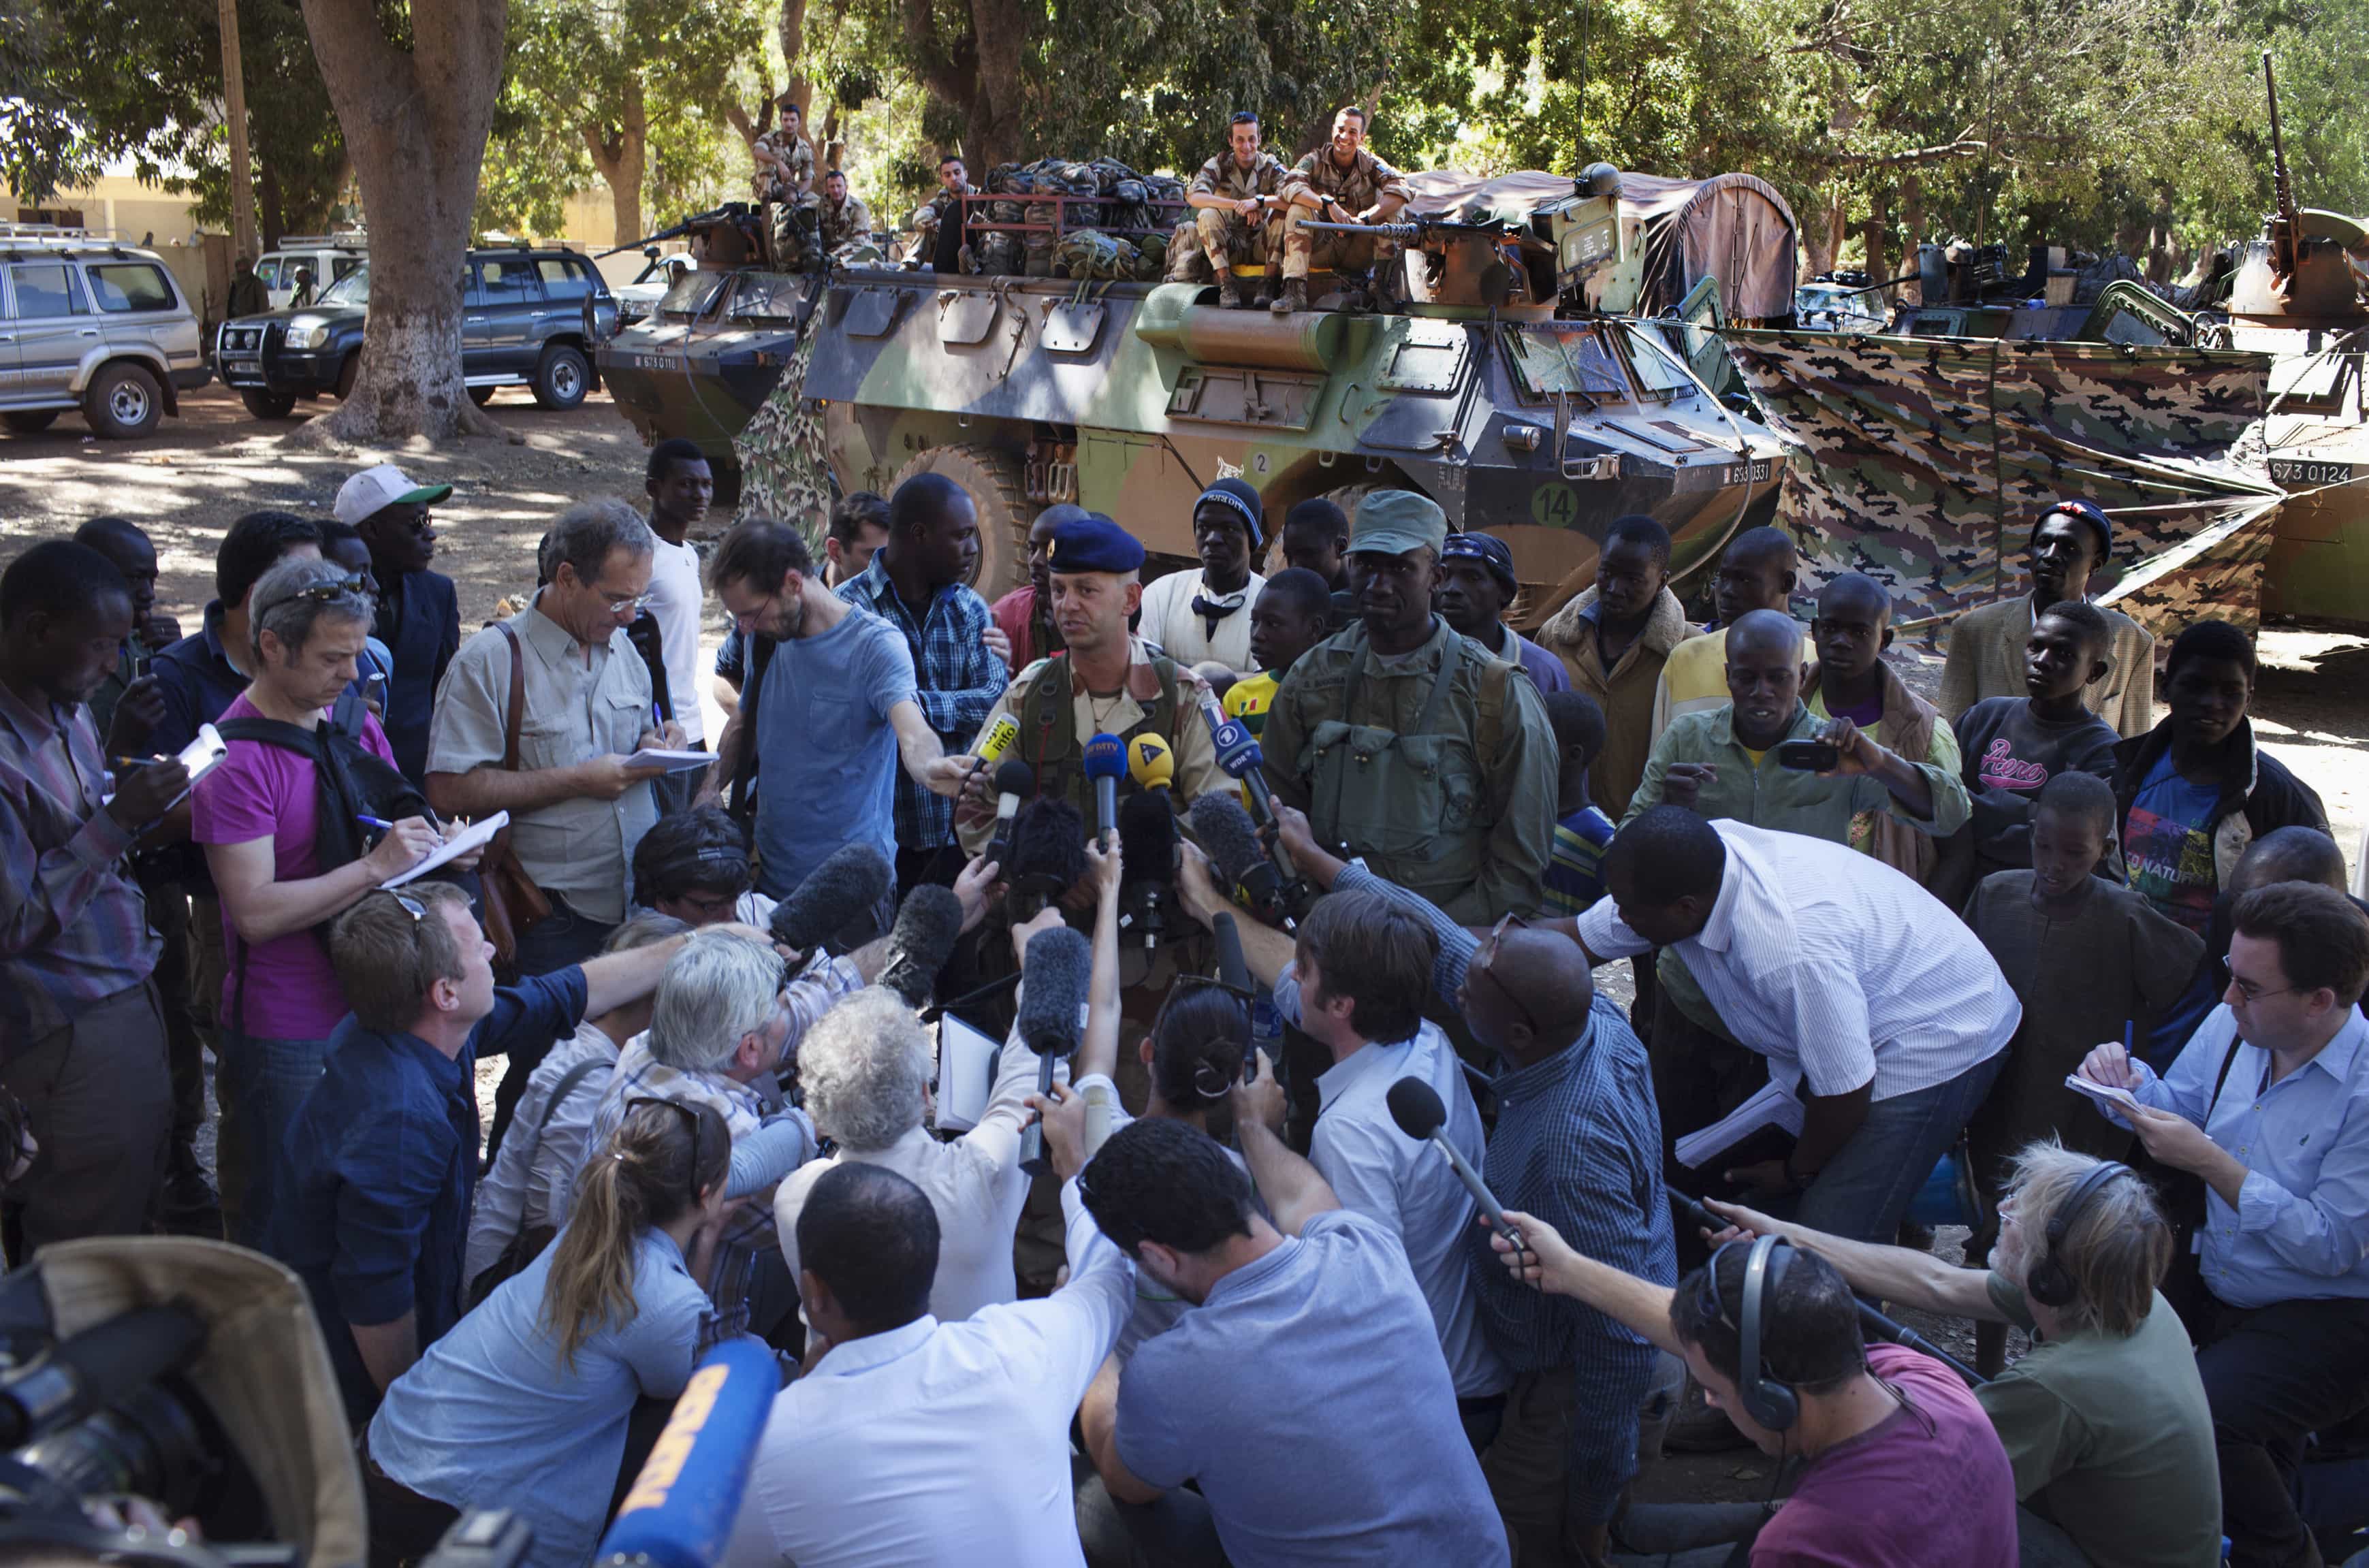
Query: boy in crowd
{"x": 1985, "y": 654}
{"x": 1316, "y": 539}
{"x": 2013, "y": 745}
{"x": 1850, "y": 680}
{"x": 1757, "y": 571}
{"x": 1291, "y": 615}
{"x": 2089, "y": 959}
{"x": 1476, "y": 584}
{"x": 1575, "y": 879}
{"x": 1614, "y": 642}
{"x": 342, "y": 545}
{"x": 1198, "y": 616}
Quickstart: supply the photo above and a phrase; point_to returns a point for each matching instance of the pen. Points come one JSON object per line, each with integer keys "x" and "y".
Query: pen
{"x": 134, "y": 761}
{"x": 381, "y": 824}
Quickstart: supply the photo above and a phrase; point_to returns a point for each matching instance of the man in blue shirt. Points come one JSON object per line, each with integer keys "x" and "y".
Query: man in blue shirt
{"x": 418, "y": 617}
{"x": 832, "y": 705}
{"x": 915, "y": 581}
{"x": 2269, "y": 1106}
{"x": 382, "y": 1157}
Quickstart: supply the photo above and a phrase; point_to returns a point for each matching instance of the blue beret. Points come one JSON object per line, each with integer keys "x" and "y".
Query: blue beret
{"x": 1094, "y": 543}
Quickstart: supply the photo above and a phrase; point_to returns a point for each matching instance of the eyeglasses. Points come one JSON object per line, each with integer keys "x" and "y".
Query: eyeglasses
{"x": 620, "y": 606}
{"x": 692, "y": 1119}
{"x": 327, "y": 592}
{"x": 2251, "y": 992}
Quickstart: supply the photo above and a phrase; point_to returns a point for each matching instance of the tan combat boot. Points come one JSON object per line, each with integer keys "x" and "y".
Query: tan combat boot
{"x": 1230, "y": 294}
{"x": 1295, "y": 297}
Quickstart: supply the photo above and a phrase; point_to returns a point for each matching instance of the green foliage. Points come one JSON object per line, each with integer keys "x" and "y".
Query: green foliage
{"x": 152, "y": 95}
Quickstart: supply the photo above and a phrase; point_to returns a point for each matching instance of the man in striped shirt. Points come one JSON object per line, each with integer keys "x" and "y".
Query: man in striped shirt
{"x": 82, "y": 1033}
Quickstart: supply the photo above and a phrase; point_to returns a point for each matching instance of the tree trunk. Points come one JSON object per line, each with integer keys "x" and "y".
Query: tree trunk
{"x": 621, "y": 157}
{"x": 415, "y": 125}
{"x": 1000, "y": 30}
{"x": 1877, "y": 232}
{"x": 1912, "y": 203}
{"x": 790, "y": 29}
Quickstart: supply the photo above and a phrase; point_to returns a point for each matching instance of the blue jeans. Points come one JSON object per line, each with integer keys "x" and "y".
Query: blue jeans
{"x": 1864, "y": 1190}
{"x": 262, "y": 1085}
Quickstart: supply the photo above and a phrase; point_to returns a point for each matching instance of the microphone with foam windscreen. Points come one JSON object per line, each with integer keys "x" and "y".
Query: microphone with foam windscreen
{"x": 680, "y": 1510}
{"x": 1054, "y": 986}
{"x": 928, "y": 926}
{"x": 1015, "y": 787}
{"x": 1243, "y": 866}
{"x": 1048, "y": 856}
{"x": 1415, "y": 1107}
{"x": 1146, "y": 841}
{"x": 844, "y": 888}
{"x": 1105, "y": 764}
{"x": 1234, "y": 970}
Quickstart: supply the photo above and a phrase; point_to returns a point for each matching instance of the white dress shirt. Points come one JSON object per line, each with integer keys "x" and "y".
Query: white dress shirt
{"x": 939, "y": 1443}
{"x": 1168, "y": 620}
{"x": 1836, "y": 967}
{"x": 975, "y": 1183}
{"x": 1381, "y": 1173}
{"x": 534, "y": 1174}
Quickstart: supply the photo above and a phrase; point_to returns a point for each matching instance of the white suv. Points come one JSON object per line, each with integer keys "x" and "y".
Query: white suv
{"x": 92, "y": 325}
{"x": 329, "y": 258}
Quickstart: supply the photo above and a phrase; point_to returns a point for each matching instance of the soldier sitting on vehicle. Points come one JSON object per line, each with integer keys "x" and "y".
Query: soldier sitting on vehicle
{"x": 1342, "y": 183}
{"x": 933, "y": 236}
{"x": 785, "y": 175}
{"x": 1238, "y": 212}
{"x": 845, "y": 218}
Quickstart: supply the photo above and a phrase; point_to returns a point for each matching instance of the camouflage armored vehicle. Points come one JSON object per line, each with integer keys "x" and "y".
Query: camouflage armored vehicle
{"x": 707, "y": 354}
{"x": 1518, "y": 390}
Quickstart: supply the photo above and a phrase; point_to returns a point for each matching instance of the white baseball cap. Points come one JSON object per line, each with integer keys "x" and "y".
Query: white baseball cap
{"x": 375, "y": 489}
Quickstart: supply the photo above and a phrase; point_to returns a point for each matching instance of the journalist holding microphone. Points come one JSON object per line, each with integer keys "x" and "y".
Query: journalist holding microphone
{"x": 2269, "y": 1105}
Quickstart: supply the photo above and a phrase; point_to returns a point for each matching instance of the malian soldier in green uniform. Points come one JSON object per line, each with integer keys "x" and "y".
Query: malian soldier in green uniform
{"x": 1238, "y": 210}
{"x": 1408, "y": 744}
{"x": 1104, "y": 680}
{"x": 844, "y": 217}
{"x": 1342, "y": 183}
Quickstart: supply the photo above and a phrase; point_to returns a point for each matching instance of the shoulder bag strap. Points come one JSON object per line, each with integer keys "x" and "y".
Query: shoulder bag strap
{"x": 517, "y": 713}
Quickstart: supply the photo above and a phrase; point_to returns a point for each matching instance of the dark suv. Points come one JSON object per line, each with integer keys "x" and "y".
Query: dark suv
{"x": 530, "y": 317}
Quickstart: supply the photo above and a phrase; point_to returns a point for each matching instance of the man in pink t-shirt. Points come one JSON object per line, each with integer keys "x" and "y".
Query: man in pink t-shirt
{"x": 1901, "y": 1467}
{"x": 258, "y": 816}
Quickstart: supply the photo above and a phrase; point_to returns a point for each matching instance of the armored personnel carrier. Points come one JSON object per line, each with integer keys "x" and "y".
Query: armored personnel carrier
{"x": 701, "y": 361}
{"x": 1518, "y": 389}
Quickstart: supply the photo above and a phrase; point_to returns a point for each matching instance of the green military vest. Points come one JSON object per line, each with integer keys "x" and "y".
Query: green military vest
{"x": 1048, "y": 730}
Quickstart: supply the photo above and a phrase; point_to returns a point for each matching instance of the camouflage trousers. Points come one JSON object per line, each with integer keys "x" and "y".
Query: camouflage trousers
{"x": 1235, "y": 240}
{"x": 792, "y": 236}
{"x": 1338, "y": 253}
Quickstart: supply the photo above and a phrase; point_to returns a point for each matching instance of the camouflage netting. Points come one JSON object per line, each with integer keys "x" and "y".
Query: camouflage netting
{"x": 1929, "y": 459}
{"x": 783, "y": 474}
{"x": 1102, "y": 195}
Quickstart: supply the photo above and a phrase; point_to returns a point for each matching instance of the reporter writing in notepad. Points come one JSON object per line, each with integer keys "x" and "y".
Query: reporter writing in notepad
{"x": 288, "y": 854}
{"x": 2269, "y": 1104}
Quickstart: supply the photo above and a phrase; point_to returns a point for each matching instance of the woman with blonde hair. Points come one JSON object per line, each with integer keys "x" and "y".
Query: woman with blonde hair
{"x": 524, "y": 1405}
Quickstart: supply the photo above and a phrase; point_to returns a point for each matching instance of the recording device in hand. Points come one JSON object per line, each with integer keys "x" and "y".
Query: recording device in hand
{"x": 1105, "y": 764}
{"x": 680, "y": 1512}
{"x": 928, "y": 926}
{"x": 1241, "y": 862}
{"x": 998, "y": 739}
{"x": 1147, "y": 840}
{"x": 1809, "y": 756}
{"x": 836, "y": 895}
{"x": 1057, "y": 978}
{"x": 1015, "y": 787}
{"x": 1048, "y": 856}
{"x": 1415, "y": 1107}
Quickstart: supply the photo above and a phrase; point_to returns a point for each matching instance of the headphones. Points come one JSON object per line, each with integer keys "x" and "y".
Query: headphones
{"x": 1767, "y": 1399}
{"x": 2047, "y": 1282}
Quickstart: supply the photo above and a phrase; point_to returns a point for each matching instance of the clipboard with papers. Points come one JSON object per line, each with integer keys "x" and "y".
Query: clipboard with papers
{"x": 475, "y": 836}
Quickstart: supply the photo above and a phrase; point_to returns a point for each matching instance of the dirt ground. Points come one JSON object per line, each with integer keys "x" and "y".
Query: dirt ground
{"x": 189, "y": 479}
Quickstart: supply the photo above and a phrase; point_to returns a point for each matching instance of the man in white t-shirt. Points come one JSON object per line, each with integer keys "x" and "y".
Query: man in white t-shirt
{"x": 681, "y": 485}
{"x": 1196, "y": 617}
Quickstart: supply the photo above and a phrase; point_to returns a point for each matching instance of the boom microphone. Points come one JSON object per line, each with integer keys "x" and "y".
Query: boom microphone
{"x": 1870, "y": 1322}
{"x": 680, "y": 1513}
{"x": 1014, "y": 786}
{"x": 1056, "y": 980}
{"x": 1234, "y": 970}
{"x": 843, "y": 890}
{"x": 1146, "y": 841}
{"x": 1048, "y": 856}
{"x": 921, "y": 941}
{"x": 1105, "y": 764}
{"x": 1243, "y": 866}
{"x": 1415, "y": 1107}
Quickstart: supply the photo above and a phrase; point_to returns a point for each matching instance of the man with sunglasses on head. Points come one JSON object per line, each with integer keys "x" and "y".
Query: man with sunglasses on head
{"x": 1899, "y": 1467}
{"x": 382, "y": 1162}
{"x": 418, "y": 614}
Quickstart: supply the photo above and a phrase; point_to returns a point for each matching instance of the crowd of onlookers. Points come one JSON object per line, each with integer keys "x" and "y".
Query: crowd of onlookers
{"x": 2094, "y": 969}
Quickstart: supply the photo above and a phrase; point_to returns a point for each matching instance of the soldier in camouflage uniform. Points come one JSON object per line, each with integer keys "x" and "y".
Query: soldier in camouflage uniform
{"x": 843, "y": 218}
{"x": 934, "y": 238}
{"x": 1238, "y": 212}
{"x": 1411, "y": 745}
{"x": 1342, "y": 183}
{"x": 785, "y": 177}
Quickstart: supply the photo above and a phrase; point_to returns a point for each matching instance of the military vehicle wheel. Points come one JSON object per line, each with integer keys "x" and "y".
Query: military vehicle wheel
{"x": 27, "y": 421}
{"x": 124, "y": 401}
{"x": 562, "y": 376}
{"x": 1005, "y": 511}
{"x": 481, "y": 396}
{"x": 266, "y": 405}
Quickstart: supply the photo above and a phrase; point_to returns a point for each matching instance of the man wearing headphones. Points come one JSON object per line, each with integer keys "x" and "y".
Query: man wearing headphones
{"x": 2105, "y": 1421}
{"x": 1900, "y": 1468}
